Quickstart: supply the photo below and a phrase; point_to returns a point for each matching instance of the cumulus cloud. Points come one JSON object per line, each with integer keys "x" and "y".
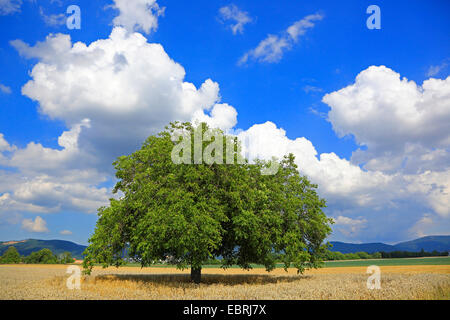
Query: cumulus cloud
{"x": 135, "y": 15}
{"x": 420, "y": 227}
{"x": 403, "y": 170}
{"x": 65, "y": 232}
{"x": 403, "y": 126}
{"x": 238, "y": 17}
{"x": 126, "y": 87}
{"x": 338, "y": 179}
{"x": 272, "y": 48}
{"x": 222, "y": 116}
{"x": 38, "y": 225}
{"x": 350, "y": 227}
{"x": 111, "y": 94}
{"x": 4, "y": 145}
{"x": 51, "y": 180}
{"x": 9, "y": 7}
{"x": 369, "y": 196}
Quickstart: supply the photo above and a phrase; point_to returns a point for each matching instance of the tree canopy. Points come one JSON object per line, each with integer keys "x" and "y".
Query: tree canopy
{"x": 66, "y": 257}
{"x": 194, "y": 210}
{"x": 44, "y": 256}
{"x": 11, "y": 255}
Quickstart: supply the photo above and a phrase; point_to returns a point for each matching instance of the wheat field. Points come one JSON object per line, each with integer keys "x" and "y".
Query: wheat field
{"x": 397, "y": 282}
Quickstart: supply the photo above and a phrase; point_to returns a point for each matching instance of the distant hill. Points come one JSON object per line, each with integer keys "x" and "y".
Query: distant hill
{"x": 25, "y": 247}
{"x": 429, "y": 244}
{"x": 358, "y": 247}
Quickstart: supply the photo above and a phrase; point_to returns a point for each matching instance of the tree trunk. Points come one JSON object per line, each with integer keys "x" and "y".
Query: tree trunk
{"x": 196, "y": 275}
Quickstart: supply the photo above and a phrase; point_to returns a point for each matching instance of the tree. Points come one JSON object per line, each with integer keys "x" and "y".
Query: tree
{"x": 197, "y": 210}
{"x": 43, "y": 256}
{"x": 11, "y": 256}
{"x": 363, "y": 255}
{"x": 351, "y": 256}
{"x": 376, "y": 255}
{"x": 66, "y": 257}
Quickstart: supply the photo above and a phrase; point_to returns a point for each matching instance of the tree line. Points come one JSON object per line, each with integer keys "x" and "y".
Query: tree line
{"x": 336, "y": 255}
{"x": 43, "y": 256}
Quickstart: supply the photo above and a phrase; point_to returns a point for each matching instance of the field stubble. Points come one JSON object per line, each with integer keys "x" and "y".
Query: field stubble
{"x": 399, "y": 282}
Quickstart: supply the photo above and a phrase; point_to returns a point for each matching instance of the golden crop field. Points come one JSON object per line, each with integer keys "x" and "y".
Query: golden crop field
{"x": 397, "y": 282}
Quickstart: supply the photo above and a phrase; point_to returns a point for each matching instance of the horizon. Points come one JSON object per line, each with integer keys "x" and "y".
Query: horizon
{"x": 392, "y": 244}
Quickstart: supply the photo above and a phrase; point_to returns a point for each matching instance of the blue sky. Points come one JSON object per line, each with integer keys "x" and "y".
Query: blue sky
{"x": 335, "y": 88}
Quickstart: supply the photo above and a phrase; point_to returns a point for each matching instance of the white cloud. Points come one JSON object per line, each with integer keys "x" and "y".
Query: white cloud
{"x": 126, "y": 87}
{"x": 436, "y": 69}
{"x": 435, "y": 186}
{"x": 419, "y": 228}
{"x": 137, "y": 15}
{"x": 62, "y": 159}
{"x": 405, "y": 171}
{"x": 312, "y": 89}
{"x": 403, "y": 126}
{"x": 370, "y": 195}
{"x": 233, "y": 13}
{"x": 112, "y": 94}
{"x": 5, "y": 89}
{"x": 4, "y": 145}
{"x": 271, "y": 49}
{"x": 222, "y": 116}
{"x": 338, "y": 179}
{"x": 350, "y": 227}
{"x": 65, "y": 232}
{"x": 51, "y": 180}
{"x": 300, "y": 27}
{"x": 268, "y": 50}
{"x": 9, "y": 205}
{"x": 9, "y": 7}
{"x": 55, "y": 196}
{"x": 53, "y": 20}
{"x": 38, "y": 225}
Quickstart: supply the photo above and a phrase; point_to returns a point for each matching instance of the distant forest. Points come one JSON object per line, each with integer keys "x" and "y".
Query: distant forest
{"x": 43, "y": 256}
{"x": 381, "y": 255}
{"x": 46, "y": 256}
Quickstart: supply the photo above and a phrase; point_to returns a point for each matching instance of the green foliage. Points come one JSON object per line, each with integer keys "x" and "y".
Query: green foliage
{"x": 196, "y": 212}
{"x": 350, "y": 256}
{"x": 376, "y": 255}
{"x": 44, "y": 256}
{"x": 336, "y": 255}
{"x": 408, "y": 254}
{"x": 389, "y": 262}
{"x": 10, "y": 256}
{"x": 65, "y": 257}
{"x": 363, "y": 255}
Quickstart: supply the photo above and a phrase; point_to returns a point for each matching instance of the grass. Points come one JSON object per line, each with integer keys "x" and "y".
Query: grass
{"x": 389, "y": 262}
{"x": 344, "y": 263}
{"x": 397, "y": 282}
